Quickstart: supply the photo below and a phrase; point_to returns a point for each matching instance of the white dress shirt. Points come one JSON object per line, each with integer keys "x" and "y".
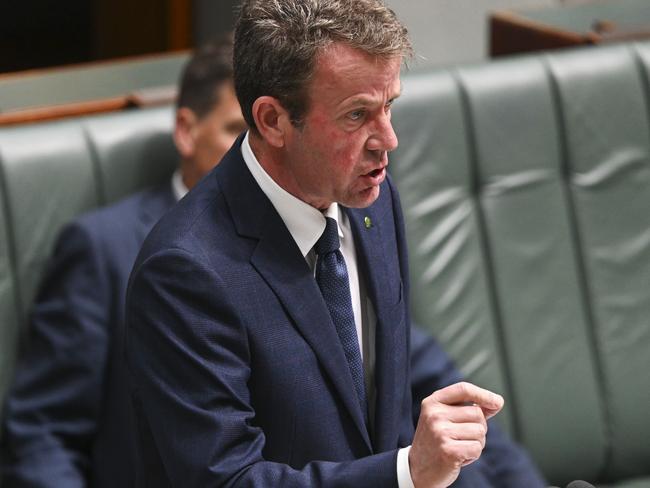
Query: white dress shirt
{"x": 178, "y": 187}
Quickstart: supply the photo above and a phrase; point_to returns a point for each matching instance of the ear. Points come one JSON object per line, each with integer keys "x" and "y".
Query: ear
{"x": 184, "y": 137}
{"x": 272, "y": 120}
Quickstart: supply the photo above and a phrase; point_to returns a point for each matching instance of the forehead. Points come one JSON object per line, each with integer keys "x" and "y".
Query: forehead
{"x": 342, "y": 72}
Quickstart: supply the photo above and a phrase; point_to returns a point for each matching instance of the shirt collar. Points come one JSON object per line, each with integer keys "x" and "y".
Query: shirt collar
{"x": 178, "y": 187}
{"x": 305, "y": 223}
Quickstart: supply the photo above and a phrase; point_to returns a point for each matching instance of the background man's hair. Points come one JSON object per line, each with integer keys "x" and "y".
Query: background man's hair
{"x": 277, "y": 43}
{"x": 206, "y": 71}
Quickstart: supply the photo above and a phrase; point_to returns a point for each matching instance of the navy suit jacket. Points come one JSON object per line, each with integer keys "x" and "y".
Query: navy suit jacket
{"x": 67, "y": 418}
{"x": 238, "y": 376}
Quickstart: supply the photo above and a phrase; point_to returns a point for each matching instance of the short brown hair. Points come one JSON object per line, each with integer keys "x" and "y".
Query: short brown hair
{"x": 278, "y": 41}
{"x": 205, "y": 72}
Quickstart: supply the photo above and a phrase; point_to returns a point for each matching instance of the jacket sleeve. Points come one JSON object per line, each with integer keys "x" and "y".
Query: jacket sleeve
{"x": 51, "y": 412}
{"x": 503, "y": 463}
{"x": 189, "y": 359}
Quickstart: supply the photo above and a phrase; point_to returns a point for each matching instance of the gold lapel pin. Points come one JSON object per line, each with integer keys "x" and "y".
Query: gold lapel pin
{"x": 367, "y": 222}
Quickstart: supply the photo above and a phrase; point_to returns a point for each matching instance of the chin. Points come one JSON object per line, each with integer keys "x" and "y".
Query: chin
{"x": 363, "y": 199}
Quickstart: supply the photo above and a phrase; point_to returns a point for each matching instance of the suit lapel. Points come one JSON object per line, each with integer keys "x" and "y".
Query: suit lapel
{"x": 383, "y": 286}
{"x": 279, "y": 261}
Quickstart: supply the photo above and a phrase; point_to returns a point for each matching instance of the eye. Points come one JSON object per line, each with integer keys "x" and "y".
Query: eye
{"x": 388, "y": 105}
{"x": 356, "y": 114}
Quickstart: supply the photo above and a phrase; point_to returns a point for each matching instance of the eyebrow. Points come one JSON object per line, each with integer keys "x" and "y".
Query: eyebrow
{"x": 367, "y": 101}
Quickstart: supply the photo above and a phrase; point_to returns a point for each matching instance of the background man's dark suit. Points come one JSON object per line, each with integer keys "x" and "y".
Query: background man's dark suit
{"x": 67, "y": 415}
{"x": 238, "y": 375}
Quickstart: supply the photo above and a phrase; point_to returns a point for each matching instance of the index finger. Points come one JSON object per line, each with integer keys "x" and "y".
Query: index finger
{"x": 464, "y": 392}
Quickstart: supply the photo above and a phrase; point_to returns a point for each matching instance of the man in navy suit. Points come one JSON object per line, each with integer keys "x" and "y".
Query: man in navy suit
{"x": 67, "y": 419}
{"x": 267, "y": 322}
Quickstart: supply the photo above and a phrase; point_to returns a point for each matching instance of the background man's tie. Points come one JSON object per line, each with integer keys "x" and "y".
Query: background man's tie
{"x": 332, "y": 278}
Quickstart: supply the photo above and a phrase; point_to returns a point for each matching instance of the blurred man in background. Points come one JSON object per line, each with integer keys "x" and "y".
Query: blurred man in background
{"x": 67, "y": 417}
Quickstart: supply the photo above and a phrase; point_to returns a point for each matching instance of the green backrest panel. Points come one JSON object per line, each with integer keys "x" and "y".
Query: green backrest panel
{"x": 533, "y": 264}
{"x": 605, "y": 115}
{"x": 526, "y": 190}
{"x": 8, "y": 298}
{"x": 51, "y": 173}
{"x": 449, "y": 294}
{"x": 134, "y": 149}
{"x": 632, "y": 483}
{"x": 49, "y": 178}
{"x": 84, "y": 83}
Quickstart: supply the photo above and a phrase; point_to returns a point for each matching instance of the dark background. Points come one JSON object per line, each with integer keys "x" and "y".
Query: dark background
{"x": 45, "y": 33}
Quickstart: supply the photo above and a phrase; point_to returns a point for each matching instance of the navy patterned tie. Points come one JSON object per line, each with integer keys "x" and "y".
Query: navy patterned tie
{"x": 332, "y": 278}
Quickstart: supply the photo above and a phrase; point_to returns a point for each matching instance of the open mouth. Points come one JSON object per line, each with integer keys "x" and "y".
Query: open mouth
{"x": 375, "y": 173}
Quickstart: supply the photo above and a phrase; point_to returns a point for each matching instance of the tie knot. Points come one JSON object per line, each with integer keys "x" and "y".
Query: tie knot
{"x": 329, "y": 239}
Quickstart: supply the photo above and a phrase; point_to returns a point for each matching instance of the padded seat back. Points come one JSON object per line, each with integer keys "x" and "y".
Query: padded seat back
{"x": 526, "y": 188}
{"x": 604, "y": 107}
{"x": 133, "y": 151}
{"x": 52, "y": 172}
{"x": 8, "y": 302}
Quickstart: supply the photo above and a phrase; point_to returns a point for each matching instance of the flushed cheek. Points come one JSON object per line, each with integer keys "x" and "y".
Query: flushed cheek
{"x": 346, "y": 167}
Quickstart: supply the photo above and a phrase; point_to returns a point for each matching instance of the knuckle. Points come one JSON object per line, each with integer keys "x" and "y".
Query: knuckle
{"x": 477, "y": 449}
{"x": 439, "y": 427}
{"x": 432, "y": 414}
{"x": 477, "y": 414}
{"x": 440, "y": 433}
{"x": 449, "y": 452}
{"x": 464, "y": 387}
{"x": 424, "y": 404}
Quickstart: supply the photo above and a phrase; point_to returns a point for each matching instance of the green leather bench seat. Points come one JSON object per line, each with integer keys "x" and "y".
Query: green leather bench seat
{"x": 609, "y": 170}
{"x": 8, "y": 304}
{"x": 526, "y": 190}
{"x": 51, "y": 172}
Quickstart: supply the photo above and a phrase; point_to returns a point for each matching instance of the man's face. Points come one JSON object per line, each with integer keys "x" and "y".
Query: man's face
{"x": 217, "y": 130}
{"x": 340, "y": 152}
{"x": 202, "y": 142}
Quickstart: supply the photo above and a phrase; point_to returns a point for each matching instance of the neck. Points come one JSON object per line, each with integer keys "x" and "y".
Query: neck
{"x": 189, "y": 174}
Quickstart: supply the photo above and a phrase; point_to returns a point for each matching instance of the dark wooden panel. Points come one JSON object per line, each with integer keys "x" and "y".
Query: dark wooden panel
{"x": 126, "y": 28}
{"x": 47, "y": 33}
{"x": 40, "y": 33}
{"x": 212, "y": 18}
{"x": 511, "y": 34}
{"x": 179, "y": 24}
{"x": 544, "y": 28}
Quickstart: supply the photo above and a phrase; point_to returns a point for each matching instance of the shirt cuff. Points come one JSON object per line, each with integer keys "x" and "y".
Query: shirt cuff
{"x": 403, "y": 470}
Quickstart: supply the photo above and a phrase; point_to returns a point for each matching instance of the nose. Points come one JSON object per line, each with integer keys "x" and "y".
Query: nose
{"x": 383, "y": 137}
